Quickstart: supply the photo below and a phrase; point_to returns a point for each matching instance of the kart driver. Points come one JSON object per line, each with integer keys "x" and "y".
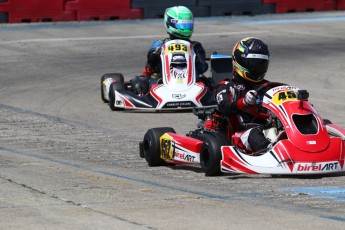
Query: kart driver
{"x": 236, "y": 97}
{"x": 179, "y": 23}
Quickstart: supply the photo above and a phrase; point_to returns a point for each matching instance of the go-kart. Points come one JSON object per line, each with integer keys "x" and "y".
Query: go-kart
{"x": 179, "y": 88}
{"x": 301, "y": 141}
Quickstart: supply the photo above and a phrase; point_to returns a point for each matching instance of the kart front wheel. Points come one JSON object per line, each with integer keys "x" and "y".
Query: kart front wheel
{"x": 117, "y": 77}
{"x": 211, "y": 155}
{"x": 112, "y": 100}
{"x": 151, "y": 145}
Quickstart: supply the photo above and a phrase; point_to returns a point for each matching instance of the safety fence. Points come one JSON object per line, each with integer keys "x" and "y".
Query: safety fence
{"x": 288, "y": 6}
{"x": 17, "y": 11}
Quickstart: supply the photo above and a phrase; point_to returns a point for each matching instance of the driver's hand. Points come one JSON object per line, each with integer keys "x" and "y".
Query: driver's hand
{"x": 250, "y": 97}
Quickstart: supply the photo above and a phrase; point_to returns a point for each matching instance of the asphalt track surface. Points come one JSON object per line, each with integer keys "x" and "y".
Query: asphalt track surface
{"x": 68, "y": 162}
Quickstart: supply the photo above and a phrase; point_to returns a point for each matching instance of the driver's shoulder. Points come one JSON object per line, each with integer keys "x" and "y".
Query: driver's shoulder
{"x": 159, "y": 42}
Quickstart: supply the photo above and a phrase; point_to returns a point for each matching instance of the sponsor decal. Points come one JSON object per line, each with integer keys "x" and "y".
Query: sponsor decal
{"x": 178, "y": 58}
{"x": 118, "y": 102}
{"x": 178, "y": 104}
{"x": 317, "y": 167}
{"x": 311, "y": 142}
{"x": 240, "y": 87}
{"x": 279, "y": 88}
{"x": 178, "y": 96}
{"x": 185, "y": 157}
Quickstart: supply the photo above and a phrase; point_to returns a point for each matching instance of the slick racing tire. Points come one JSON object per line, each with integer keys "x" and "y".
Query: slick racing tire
{"x": 117, "y": 77}
{"x": 151, "y": 145}
{"x": 211, "y": 155}
{"x": 112, "y": 100}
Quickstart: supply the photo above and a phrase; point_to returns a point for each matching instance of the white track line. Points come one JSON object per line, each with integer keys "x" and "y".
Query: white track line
{"x": 40, "y": 40}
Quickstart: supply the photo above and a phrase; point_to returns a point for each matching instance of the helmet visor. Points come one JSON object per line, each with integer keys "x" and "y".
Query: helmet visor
{"x": 181, "y": 24}
{"x": 256, "y": 65}
{"x": 258, "y": 70}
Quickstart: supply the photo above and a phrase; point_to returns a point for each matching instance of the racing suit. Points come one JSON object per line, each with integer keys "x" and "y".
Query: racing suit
{"x": 152, "y": 68}
{"x": 230, "y": 97}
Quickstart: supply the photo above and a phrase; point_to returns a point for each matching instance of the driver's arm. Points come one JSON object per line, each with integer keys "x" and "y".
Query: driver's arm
{"x": 201, "y": 64}
{"x": 153, "y": 55}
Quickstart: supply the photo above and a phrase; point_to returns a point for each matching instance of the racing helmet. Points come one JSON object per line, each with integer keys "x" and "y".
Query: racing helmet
{"x": 250, "y": 59}
{"x": 178, "y": 22}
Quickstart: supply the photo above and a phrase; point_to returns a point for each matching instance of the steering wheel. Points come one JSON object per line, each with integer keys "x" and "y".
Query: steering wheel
{"x": 261, "y": 90}
{"x": 264, "y": 87}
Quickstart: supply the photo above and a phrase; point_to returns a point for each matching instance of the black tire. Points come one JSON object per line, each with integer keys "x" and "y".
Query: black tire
{"x": 211, "y": 155}
{"x": 151, "y": 145}
{"x": 103, "y": 88}
{"x": 118, "y": 77}
{"x": 115, "y": 86}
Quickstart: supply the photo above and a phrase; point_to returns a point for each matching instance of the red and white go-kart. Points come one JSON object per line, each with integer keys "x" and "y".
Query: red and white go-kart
{"x": 301, "y": 141}
{"x": 179, "y": 88}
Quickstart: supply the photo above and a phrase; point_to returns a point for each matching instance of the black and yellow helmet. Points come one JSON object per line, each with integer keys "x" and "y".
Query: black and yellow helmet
{"x": 250, "y": 59}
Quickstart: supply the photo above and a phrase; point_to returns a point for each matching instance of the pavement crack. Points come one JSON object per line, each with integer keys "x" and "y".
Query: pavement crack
{"x": 71, "y": 202}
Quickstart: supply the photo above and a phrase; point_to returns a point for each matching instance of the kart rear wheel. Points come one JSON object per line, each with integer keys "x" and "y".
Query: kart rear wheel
{"x": 151, "y": 145}
{"x": 211, "y": 155}
{"x": 115, "y": 86}
{"x": 117, "y": 77}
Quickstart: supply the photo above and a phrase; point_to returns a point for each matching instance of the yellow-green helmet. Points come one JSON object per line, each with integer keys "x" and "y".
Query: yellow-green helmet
{"x": 178, "y": 21}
